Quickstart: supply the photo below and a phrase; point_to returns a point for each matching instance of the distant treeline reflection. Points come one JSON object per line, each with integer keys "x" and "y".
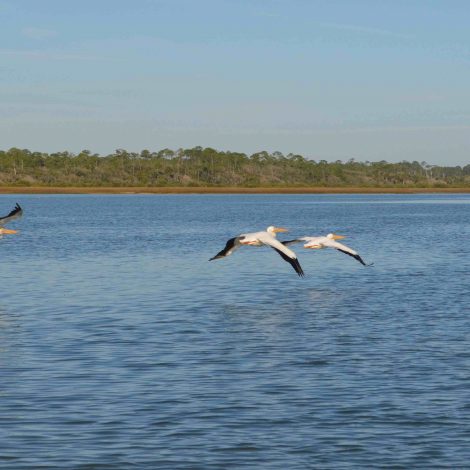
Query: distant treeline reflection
{"x": 209, "y": 167}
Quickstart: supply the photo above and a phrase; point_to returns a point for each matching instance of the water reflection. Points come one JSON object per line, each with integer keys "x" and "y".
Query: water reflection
{"x": 157, "y": 358}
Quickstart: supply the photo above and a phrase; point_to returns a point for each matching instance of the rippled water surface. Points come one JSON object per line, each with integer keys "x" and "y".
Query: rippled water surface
{"x": 121, "y": 346}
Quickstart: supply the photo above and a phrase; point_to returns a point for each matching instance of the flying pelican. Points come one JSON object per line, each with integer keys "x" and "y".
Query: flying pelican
{"x": 16, "y": 213}
{"x": 267, "y": 238}
{"x": 327, "y": 242}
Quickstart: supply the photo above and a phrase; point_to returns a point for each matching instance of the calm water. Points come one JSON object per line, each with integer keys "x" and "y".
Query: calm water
{"x": 121, "y": 346}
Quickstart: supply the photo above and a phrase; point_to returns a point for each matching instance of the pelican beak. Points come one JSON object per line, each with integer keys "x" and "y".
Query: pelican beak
{"x": 338, "y": 237}
{"x": 6, "y": 230}
{"x": 280, "y": 229}
{"x": 312, "y": 247}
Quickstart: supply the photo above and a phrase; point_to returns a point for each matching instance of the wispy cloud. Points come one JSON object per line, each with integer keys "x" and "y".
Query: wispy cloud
{"x": 430, "y": 128}
{"x": 365, "y": 30}
{"x": 268, "y": 131}
{"x": 47, "y": 55}
{"x": 371, "y": 130}
{"x": 265, "y": 13}
{"x": 38, "y": 33}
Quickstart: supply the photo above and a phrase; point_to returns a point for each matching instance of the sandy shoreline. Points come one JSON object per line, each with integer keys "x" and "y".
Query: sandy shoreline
{"x": 221, "y": 190}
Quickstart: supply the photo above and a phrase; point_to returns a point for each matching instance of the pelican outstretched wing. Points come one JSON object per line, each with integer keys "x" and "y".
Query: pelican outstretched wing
{"x": 16, "y": 213}
{"x": 294, "y": 262}
{"x": 346, "y": 250}
{"x": 285, "y": 253}
{"x": 291, "y": 242}
{"x": 355, "y": 256}
{"x": 230, "y": 247}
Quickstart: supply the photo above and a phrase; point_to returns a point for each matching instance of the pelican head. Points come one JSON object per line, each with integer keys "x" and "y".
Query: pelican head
{"x": 273, "y": 230}
{"x": 4, "y": 231}
{"x": 332, "y": 236}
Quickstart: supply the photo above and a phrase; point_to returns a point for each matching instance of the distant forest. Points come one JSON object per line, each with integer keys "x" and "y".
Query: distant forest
{"x": 209, "y": 167}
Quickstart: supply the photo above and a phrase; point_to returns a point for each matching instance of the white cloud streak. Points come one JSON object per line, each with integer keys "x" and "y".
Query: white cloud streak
{"x": 38, "y": 33}
{"x": 47, "y": 55}
{"x": 365, "y": 30}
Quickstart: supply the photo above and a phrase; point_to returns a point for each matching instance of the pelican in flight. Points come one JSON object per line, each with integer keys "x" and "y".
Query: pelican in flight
{"x": 327, "y": 242}
{"x": 16, "y": 213}
{"x": 267, "y": 238}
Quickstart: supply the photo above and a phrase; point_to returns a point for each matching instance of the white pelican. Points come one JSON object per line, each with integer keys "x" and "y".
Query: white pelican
{"x": 16, "y": 213}
{"x": 327, "y": 242}
{"x": 267, "y": 238}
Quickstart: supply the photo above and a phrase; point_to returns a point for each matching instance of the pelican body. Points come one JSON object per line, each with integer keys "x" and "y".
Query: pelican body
{"x": 267, "y": 238}
{"x": 16, "y": 213}
{"x": 328, "y": 241}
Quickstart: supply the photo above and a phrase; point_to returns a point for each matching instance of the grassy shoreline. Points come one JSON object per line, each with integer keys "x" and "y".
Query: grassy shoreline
{"x": 223, "y": 190}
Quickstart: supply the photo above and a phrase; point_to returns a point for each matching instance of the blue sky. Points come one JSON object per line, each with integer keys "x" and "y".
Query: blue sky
{"x": 331, "y": 79}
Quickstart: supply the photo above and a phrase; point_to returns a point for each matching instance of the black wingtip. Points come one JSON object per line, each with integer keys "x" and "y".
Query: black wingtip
{"x": 356, "y": 257}
{"x": 298, "y": 268}
{"x": 294, "y": 262}
{"x": 362, "y": 261}
{"x": 290, "y": 242}
{"x": 229, "y": 246}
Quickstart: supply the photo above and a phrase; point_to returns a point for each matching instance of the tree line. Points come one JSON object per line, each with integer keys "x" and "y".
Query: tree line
{"x": 200, "y": 166}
